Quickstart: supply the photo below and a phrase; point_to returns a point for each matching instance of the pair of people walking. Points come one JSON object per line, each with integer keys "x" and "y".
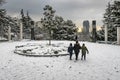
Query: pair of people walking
{"x": 76, "y": 48}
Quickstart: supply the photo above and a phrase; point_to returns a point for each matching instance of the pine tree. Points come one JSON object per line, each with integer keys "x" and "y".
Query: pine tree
{"x": 100, "y": 34}
{"x": 6, "y": 21}
{"x": 59, "y": 23}
{"x": 2, "y": 21}
{"x": 71, "y": 30}
{"x": 48, "y": 21}
{"x": 62, "y": 30}
{"x": 111, "y": 20}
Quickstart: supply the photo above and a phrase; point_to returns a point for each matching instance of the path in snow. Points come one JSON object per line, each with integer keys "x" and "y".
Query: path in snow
{"x": 103, "y": 63}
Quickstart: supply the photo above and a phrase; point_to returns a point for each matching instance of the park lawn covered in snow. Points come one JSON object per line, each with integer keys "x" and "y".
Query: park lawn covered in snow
{"x": 103, "y": 63}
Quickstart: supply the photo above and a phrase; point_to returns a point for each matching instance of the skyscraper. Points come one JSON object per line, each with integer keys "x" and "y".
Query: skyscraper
{"x": 86, "y": 26}
{"x": 94, "y": 30}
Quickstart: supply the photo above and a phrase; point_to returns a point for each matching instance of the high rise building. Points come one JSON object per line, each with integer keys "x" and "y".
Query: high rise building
{"x": 94, "y": 30}
{"x": 86, "y": 27}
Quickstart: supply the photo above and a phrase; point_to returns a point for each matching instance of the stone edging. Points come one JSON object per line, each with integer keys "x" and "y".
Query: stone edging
{"x": 32, "y": 55}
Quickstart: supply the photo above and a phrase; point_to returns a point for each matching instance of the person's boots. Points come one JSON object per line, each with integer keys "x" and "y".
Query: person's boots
{"x": 81, "y": 58}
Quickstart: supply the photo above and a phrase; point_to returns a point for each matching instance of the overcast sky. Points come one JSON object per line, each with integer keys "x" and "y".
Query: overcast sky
{"x": 76, "y": 10}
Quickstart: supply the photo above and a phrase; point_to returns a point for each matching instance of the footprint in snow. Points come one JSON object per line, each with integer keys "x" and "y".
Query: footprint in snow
{"x": 108, "y": 78}
{"x": 42, "y": 73}
{"x": 70, "y": 67}
{"x": 46, "y": 66}
{"x": 117, "y": 71}
{"x": 79, "y": 72}
{"x": 115, "y": 68}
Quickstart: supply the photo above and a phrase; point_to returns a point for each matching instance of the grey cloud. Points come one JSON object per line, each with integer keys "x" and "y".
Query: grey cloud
{"x": 35, "y": 7}
{"x": 82, "y": 9}
{"x": 69, "y": 9}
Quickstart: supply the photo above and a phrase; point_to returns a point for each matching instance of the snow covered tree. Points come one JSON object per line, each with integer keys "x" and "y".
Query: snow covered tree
{"x": 112, "y": 20}
{"x": 61, "y": 30}
{"x": 59, "y": 23}
{"x": 6, "y": 21}
{"x": 100, "y": 34}
{"x": 2, "y": 21}
{"x": 48, "y": 21}
{"x": 64, "y": 30}
{"x": 70, "y": 29}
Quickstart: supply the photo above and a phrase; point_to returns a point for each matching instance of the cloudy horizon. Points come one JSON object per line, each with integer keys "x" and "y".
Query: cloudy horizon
{"x": 75, "y": 10}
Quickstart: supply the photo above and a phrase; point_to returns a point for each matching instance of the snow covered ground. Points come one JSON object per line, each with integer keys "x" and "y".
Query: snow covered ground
{"x": 103, "y": 63}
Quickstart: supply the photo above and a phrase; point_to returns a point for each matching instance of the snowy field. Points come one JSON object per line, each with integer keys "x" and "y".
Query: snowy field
{"x": 103, "y": 63}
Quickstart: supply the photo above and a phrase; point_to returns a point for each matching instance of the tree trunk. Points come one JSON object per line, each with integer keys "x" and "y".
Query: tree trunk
{"x": 50, "y": 37}
{"x": 21, "y": 31}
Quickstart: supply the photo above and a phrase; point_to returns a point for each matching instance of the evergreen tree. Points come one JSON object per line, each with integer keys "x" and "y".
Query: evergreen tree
{"x": 59, "y": 21}
{"x": 2, "y": 21}
{"x": 6, "y": 21}
{"x": 111, "y": 20}
{"x": 71, "y": 30}
{"x": 48, "y": 21}
{"x": 100, "y": 34}
{"x": 62, "y": 30}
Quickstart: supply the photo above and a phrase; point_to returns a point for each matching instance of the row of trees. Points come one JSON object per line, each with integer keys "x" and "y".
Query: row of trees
{"x": 56, "y": 27}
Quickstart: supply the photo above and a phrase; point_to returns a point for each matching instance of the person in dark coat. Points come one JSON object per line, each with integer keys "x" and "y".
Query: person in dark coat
{"x": 76, "y": 38}
{"x": 70, "y": 50}
{"x": 77, "y": 48}
{"x": 84, "y": 50}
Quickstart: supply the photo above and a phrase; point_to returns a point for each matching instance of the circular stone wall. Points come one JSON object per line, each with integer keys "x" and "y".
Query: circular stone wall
{"x": 41, "y": 50}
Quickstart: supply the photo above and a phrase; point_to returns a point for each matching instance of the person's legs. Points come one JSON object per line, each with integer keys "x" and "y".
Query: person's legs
{"x": 82, "y": 57}
{"x": 77, "y": 56}
{"x": 70, "y": 56}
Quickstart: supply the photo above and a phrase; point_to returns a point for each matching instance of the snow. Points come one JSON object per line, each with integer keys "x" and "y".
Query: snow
{"x": 2, "y": 38}
{"x": 42, "y": 49}
{"x": 103, "y": 63}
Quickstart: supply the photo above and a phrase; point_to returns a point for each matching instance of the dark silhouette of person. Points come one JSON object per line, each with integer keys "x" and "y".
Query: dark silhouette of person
{"x": 76, "y": 37}
{"x": 77, "y": 48}
{"x": 84, "y": 50}
{"x": 70, "y": 50}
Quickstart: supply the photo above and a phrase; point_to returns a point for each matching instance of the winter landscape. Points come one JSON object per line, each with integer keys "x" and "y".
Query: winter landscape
{"x": 103, "y": 63}
{"x": 59, "y": 39}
